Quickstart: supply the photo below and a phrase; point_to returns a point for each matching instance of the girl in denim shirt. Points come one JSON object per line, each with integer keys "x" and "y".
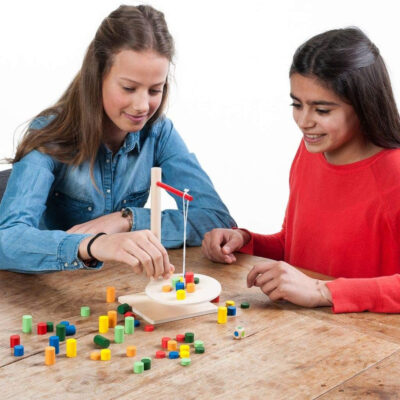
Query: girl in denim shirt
{"x": 89, "y": 156}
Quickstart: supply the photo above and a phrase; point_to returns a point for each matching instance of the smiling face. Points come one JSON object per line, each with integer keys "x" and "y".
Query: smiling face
{"x": 132, "y": 90}
{"x": 329, "y": 125}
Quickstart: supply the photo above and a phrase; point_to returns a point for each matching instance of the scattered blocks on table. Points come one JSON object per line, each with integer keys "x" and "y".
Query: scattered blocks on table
{"x": 66, "y": 323}
{"x": 18, "y": 350}
{"x": 105, "y": 355}
{"x": 137, "y": 323}
{"x": 189, "y": 337}
{"x": 181, "y": 294}
{"x": 222, "y": 315}
{"x": 166, "y": 288}
{"x": 101, "y": 341}
{"x": 216, "y": 300}
{"x": 131, "y": 351}
{"x": 231, "y": 310}
{"x": 181, "y": 279}
{"x": 149, "y": 328}
{"x": 123, "y": 308}
{"x": 184, "y": 347}
{"x": 196, "y": 280}
{"x": 245, "y": 304}
{"x": 184, "y": 354}
{"x": 179, "y": 286}
{"x": 95, "y": 356}
{"x": 49, "y": 355}
{"x": 185, "y": 361}
{"x": 199, "y": 350}
{"x": 110, "y": 294}
{"x": 160, "y": 354}
{"x": 70, "y": 330}
{"x": 27, "y": 323}
{"x": 112, "y": 318}
{"x": 174, "y": 281}
{"x": 198, "y": 343}
{"x": 14, "y": 340}
{"x": 41, "y": 328}
{"x": 129, "y": 325}
{"x": 85, "y": 311}
{"x": 189, "y": 277}
{"x": 190, "y": 287}
{"x": 71, "y": 348}
{"x": 239, "y": 332}
{"x": 164, "y": 342}
{"x": 129, "y": 314}
{"x": 229, "y": 303}
{"x": 138, "y": 367}
{"x": 172, "y": 345}
{"x": 173, "y": 355}
{"x": 54, "y": 341}
{"x": 103, "y": 324}
{"x": 50, "y": 326}
{"x": 180, "y": 338}
{"x": 61, "y": 331}
{"x": 119, "y": 334}
{"x": 146, "y": 363}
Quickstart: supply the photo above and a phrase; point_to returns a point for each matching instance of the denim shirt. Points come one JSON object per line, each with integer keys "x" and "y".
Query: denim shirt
{"x": 45, "y": 197}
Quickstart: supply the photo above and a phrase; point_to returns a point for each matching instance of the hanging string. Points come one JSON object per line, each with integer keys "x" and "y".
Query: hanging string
{"x": 185, "y": 209}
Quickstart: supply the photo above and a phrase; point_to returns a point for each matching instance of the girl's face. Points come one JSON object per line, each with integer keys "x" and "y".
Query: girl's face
{"x": 132, "y": 89}
{"x": 329, "y": 125}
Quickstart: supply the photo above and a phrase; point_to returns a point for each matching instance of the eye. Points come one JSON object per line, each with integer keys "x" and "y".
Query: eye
{"x": 322, "y": 111}
{"x": 295, "y": 105}
{"x": 128, "y": 89}
{"x": 155, "y": 91}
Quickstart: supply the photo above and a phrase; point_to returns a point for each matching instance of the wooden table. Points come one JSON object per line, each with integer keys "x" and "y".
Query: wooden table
{"x": 289, "y": 352}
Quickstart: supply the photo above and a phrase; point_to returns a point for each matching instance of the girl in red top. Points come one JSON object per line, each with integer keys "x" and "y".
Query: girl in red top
{"x": 343, "y": 214}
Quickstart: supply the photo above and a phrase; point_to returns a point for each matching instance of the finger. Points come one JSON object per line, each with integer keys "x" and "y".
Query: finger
{"x": 144, "y": 259}
{"x": 234, "y": 243}
{"x": 265, "y": 277}
{"x": 132, "y": 261}
{"x": 275, "y": 295}
{"x": 258, "y": 269}
{"x": 269, "y": 286}
{"x": 165, "y": 265}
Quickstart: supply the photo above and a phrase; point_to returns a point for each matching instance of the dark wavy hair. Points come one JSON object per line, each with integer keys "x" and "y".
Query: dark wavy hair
{"x": 347, "y": 62}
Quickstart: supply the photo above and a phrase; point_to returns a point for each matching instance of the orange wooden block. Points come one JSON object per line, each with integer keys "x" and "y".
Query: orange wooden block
{"x": 131, "y": 351}
{"x": 110, "y": 297}
{"x": 49, "y": 355}
{"x": 166, "y": 288}
{"x": 95, "y": 355}
{"x": 172, "y": 345}
{"x": 112, "y": 318}
{"x": 190, "y": 287}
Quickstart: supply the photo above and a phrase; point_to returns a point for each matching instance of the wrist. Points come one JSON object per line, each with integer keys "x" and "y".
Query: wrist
{"x": 127, "y": 216}
{"x": 324, "y": 294}
{"x": 246, "y": 237}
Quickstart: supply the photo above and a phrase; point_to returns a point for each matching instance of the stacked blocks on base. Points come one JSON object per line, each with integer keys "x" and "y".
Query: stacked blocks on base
{"x": 138, "y": 367}
{"x": 112, "y": 318}
{"x": 101, "y": 341}
{"x": 119, "y": 334}
{"x": 196, "y": 280}
{"x": 129, "y": 325}
{"x": 166, "y": 288}
{"x": 103, "y": 324}
{"x": 54, "y": 341}
{"x": 18, "y": 350}
{"x": 174, "y": 281}
{"x": 71, "y": 348}
{"x": 14, "y": 340}
{"x": 231, "y": 311}
{"x": 105, "y": 355}
{"x": 239, "y": 333}
{"x": 110, "y": 295}
{"x": 41, "y": 328}
{"x": 181, "y": 294}
{"x": 131, "y": 351}
{"x": 189, "y": 277}
{"x": 190, "y": 287}
{"x": 179, "y": 286}
{"x": 27, "y": 323}
{"x": 61, "y": 331}
{"x": 49, "y": 355}
{"x": 85, "y": 311}
{"x": 222, "y": 315}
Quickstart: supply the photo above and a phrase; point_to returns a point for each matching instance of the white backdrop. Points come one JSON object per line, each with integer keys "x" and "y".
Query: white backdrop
{"x": 230, "y": 98}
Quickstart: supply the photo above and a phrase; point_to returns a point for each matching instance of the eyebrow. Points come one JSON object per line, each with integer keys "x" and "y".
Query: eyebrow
{"x": 138, "y": 83}
{"x": 316, "y": 102}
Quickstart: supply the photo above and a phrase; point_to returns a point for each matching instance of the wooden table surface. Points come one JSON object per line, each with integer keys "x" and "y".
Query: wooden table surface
{"x": 288, "y": 353}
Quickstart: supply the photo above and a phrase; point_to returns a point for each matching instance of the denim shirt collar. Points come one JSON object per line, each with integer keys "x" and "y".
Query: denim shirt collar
{"x": 131, "y": 141}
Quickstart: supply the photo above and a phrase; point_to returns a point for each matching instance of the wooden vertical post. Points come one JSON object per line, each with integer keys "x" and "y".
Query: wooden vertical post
{"x": 155, "y": 192}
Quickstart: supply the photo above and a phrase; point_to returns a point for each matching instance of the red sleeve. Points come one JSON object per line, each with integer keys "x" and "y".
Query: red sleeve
{"x": 380, "y": 294}
{"x": 268, "y": 246}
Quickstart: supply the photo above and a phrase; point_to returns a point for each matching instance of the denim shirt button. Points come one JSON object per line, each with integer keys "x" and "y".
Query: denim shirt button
{"x": 56, "y": 194}
{"x": 66, "y": 265}
{"x": 75, "y": 263}
{"x": 124, "y": 201}
{"x": 108, "y": 160}
{"x": 108, "y": 191}
{"x": 89, "y": 208}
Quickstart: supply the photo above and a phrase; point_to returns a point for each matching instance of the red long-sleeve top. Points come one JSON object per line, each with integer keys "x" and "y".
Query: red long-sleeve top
{"x": 343, "y": 221}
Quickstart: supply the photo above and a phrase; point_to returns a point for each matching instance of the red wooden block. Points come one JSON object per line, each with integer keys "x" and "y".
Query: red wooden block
{"x": 149, "y": 328}
{"x": 160, "y": 354}
{"x": 180, "y": 338}
{"x": 189, "y": 277}
{"x": 14, "y": 340}
{"x": 41, "y": 328}
{"x": 164, "y": 342}
{"x": 129, "y": 314}
{"x": 216, "y": 300}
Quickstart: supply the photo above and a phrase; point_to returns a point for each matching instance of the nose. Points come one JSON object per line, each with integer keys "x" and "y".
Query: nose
{"x": 140, "y": 102}
{"x": 304, "y": 119}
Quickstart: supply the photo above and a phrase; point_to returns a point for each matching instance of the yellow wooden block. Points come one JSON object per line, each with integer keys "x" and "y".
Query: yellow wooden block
{"x": 184, "y": 354}
{"x": 181, "y": 294}
{"x": 112, "y": 318}
{"x": 131, "y": 351}
{"x": 181, "y": 279}
{"x": 190, "y": 287}
{"x": 105, "y": 354}
{"x": 95, "y": 355}
{"x": 184, "y": 347}
{"x": 103, "y": 323}
{"x": 222, "y": 315}
{"x": 229, "y": 303}
{"x": 172, "y": 345}
{"x": 166, "y": 288}
{"x": 71, "y": 348}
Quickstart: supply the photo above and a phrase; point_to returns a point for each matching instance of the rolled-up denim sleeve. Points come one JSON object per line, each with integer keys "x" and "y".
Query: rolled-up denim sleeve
{"x": 181, "y": 169}
{"x": 23, "y": 246}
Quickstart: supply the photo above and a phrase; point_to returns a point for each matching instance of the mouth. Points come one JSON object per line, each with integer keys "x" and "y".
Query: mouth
{"x": 136, "y": 118}
{"x": 314, "y": 138}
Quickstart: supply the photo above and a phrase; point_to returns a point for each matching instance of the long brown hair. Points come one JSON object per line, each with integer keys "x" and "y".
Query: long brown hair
{"x": 347, "y": 62}
{"x": 75, "y": 128}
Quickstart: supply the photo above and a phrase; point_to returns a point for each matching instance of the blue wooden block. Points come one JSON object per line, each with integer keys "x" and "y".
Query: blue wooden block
{"x": 70, "y": 330}
{"x": 231, "y": 310}
{"x": 55, "y": 342}
{"x": 173, "y": 354}
{"x": 137, "y": 323}
{"x": 18, "y": 350}
{"x": 180, "y": 285}
{"x": 66, "y": 323}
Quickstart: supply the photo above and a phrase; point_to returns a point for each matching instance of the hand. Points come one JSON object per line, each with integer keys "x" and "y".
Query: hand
{"x": 110, "y": 223}
{"x": 140, "y": 249}
{"x": 220, "y": 244}
{"x": 280, "y": 281}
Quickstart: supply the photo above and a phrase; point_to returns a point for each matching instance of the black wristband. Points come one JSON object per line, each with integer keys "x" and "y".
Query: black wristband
{"x": 91, "y": 242}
